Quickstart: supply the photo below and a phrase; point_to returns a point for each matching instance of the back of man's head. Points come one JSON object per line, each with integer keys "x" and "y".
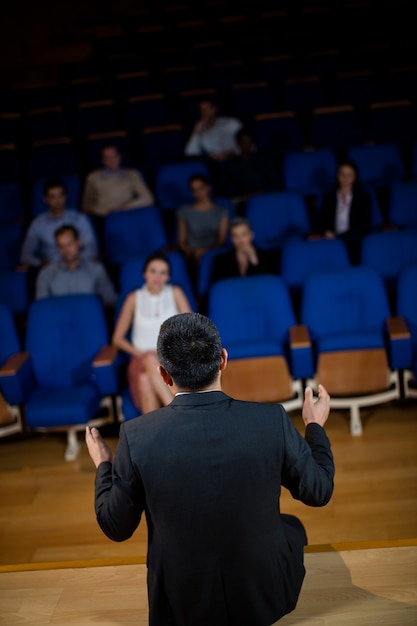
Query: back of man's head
{"x": 190, "y": 349}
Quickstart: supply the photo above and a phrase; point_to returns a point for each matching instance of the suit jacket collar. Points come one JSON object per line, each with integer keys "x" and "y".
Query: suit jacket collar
{"x": 199, "y": 399}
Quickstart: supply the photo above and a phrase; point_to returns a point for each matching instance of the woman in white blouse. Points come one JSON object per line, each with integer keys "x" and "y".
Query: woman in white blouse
{"x": 137, "y": 328}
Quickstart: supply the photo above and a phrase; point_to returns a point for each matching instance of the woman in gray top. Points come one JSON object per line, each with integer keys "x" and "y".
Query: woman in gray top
{"x": 202, "y": 225}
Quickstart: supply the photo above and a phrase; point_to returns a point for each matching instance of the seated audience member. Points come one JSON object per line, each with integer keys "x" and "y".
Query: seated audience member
{"x": 213, "y": 136}
{"x": 248, "y": 172}
{"x": 142, "y": 314}
{"x": 346, "y": 211}
{"x": 244, "y": 259}
{"x": 203, "y": 224}
{"x": 39, "y": 246}
{"x": 72, "y": 274}
{"x": 113, "y": 188}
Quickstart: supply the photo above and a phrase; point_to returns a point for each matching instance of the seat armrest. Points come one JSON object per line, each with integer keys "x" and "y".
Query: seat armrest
{"x": 17, "y": 379}
{"x": 301, "y": 352}
{"x": 105, "y": 356}
{"x": 399, "y": 343}
{"x": 13, "y": 364}
{"x": 105, "y": 368}
{"x": 299, "y": 336}
{"x": 397, "y": 328}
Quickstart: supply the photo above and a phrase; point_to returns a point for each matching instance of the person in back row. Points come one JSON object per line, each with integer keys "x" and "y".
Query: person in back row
{"x": 72, "y": 274}
{"x": 213, "y": 136}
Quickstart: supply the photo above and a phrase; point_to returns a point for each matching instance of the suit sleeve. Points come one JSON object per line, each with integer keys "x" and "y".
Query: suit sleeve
{"x": 308, "y": 469}
{"x": 119, "y": 494}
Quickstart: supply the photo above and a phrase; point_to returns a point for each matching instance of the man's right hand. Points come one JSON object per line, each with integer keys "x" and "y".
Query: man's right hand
{"x": 316, "y": 412}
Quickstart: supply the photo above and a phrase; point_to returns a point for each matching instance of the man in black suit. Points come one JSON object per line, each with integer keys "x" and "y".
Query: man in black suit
{"x": 207, "y": 471}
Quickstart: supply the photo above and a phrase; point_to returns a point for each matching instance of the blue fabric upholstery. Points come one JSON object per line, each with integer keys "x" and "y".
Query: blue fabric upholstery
{"x": 253, "y": 315}
{"x": 379, "y": 164}
{"x": 133, "y": 233}
{"x": 311, "y": 172}
{"x": 402, "y": 210}
{"x": 347, "y": 310}
{"x": 407, "y": 306}
{"x": 63, "y": 336}
{"x": 171, "y": 183}
{"x": 347, "y": 301}
{"x": 277, "y": 216}
{"x": 13, "y": 387}
{"x": 300, "y": 258}
{"x": 388, "y": 252}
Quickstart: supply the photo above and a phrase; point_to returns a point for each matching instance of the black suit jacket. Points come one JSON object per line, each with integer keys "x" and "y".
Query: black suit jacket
{"x": 207, "y": 471}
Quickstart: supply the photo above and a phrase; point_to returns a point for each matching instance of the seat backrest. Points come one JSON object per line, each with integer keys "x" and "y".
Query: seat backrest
{"x": 276, "y": 217}
{"x": 301, "y": 258}
{"x": 344, "y": 300}
{"x": 162, "y": 144}
{"x": 335, "y": 127}
{"x": 63, "y": 335}
{"x": 131, "y": 276}
{"x": 378, "y": 164}
{"x": 9, "y": 340}
{"x": 133, "y": 233}
{"x": 392, "y": 121}
{"x": 251, "y": 308}
{"x": 310, "y": 172}
{"x": 278, "y": 133}
{"x": 11, "y": 240}
{"x": 402, "y": 208}
{"x": 11, "y": 204}
{"x": 406, "y": 297}
{"x": 73, "y": 190}
{"x": 388, "y": 252}
{"x": 171, "y": 183}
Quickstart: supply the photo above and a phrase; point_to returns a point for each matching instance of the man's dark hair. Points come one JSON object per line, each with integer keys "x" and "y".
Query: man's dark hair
{"x": 189, "y": 348}
{"x": 51, "y": 183}
{"x": 67, "y": 228}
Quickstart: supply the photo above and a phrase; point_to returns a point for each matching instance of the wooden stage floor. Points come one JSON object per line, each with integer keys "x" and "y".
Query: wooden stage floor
{"x": 365, "y": 587}
{"x": 57, "y": 567}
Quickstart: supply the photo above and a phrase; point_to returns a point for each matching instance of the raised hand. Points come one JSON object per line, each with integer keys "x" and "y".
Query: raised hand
{"x": 316, "y": 411}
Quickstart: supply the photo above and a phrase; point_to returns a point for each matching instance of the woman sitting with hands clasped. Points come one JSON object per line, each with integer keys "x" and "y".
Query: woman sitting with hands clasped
{"x": 203, "y": 224}
{"x": 142, "y": 313}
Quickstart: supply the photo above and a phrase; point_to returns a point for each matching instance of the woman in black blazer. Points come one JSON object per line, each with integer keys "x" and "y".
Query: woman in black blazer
{"x": 346, "y": 210}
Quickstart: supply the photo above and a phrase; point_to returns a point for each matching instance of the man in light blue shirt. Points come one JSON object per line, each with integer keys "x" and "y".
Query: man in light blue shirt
{"x": 39, "y": 246}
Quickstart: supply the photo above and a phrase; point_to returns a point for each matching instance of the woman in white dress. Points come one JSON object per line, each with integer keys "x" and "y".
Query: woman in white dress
{"x": 142, "y": 314}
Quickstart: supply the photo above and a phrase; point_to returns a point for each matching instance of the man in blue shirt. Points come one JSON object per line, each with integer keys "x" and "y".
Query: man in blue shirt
{"x": 39, "y": 246}
{"x": 72, "y": 274}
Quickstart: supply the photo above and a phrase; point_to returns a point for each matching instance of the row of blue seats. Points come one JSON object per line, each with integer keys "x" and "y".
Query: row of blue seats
{"x": 151, "y": 134}
{"x": 310, "y": 172}
{"x": 347, "y": 339}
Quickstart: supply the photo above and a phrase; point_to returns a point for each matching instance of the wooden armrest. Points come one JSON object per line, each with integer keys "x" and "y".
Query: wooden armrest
{"x": 105, "y": 356}
{"x": 299, "y": 336}
{"x": 13, "y": 363}
{"x": 397, "y": 328}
